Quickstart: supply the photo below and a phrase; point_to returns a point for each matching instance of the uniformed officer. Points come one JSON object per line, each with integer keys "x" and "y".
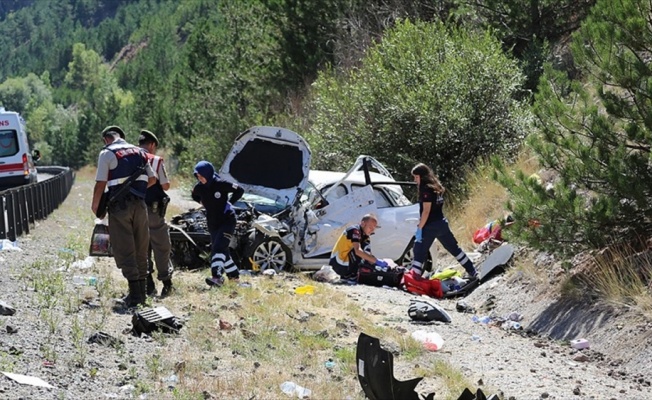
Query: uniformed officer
{"x": 128, "y": 226}
{"x": 159, "y": 232}
{"x": 212, "y": 192}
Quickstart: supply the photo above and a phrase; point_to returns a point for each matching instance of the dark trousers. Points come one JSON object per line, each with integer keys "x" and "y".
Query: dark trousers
{"x": 129, "y": 234}
{"x": 160, "y": 246}
{"x": 441, "y": 231}
{"x": 221, "y": 261}
{"x": 348, "y": 271}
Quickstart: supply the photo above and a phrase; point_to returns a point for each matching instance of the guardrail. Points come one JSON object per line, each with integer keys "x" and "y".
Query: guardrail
{"x": 24, "y": 205}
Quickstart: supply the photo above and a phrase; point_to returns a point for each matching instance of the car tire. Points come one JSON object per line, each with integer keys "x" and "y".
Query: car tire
{"x": 269, "y": 252}
{"x": 408, "y": 255}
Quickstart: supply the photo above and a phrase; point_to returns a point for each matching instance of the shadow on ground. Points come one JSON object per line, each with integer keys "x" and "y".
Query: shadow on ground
{"x": 568, "y": 318}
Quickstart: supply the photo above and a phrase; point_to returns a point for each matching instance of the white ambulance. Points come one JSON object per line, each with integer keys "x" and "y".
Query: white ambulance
{"x": 16, "y": 161}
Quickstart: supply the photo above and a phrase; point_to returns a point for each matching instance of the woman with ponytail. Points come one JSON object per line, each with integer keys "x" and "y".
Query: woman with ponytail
{"x": 432, "y": 224}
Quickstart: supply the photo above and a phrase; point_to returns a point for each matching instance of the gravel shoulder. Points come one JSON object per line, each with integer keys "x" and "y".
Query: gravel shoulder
{"x": 536, "y": 362}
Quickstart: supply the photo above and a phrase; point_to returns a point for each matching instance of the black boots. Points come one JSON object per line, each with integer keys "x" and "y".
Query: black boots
{"x": 168, "y": 289}
{"x": 151, "y": 286}
{"x": 165, "y": 292}
{"x": 137, "y": 293}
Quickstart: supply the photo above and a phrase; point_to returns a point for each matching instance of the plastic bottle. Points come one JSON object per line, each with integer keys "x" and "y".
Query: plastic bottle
{"x": 291, "y": 388}
{"x": 84, "y": 280}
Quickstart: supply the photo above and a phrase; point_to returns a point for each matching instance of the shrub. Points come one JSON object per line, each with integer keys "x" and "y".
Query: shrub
{"x": 425, "y": 93}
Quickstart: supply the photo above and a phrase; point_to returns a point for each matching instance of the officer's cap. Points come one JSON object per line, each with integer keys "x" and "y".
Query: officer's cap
{"x": 147, "y": 136}
{"x": 114, "y": 128}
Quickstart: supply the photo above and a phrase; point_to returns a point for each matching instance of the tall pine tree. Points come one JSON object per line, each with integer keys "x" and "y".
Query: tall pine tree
{"x": 595, "y": 137}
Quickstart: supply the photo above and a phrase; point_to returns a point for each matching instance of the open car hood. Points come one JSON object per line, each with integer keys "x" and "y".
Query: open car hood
{"x": 269, "y": 161}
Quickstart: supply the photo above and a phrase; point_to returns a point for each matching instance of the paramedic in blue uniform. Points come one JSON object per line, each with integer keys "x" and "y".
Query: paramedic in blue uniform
{"x": 128, "y": 226}
{"x": 159, "y": 232}
{"x": 213, "y": 193}
{"x": 353, "y": 249}
{"x": 432, "y": 224}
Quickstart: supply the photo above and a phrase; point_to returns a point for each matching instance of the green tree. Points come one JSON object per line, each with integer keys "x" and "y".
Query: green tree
{"x": 595, "y": 137}
{"x": 423, "y": 94}
{"x": 527, "y": 27}
{"x": 100, "y": 101}
{"x": 233, "y": 61}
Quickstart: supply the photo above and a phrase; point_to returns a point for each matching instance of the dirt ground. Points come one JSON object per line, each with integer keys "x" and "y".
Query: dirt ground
{"x": 534, "y": 362}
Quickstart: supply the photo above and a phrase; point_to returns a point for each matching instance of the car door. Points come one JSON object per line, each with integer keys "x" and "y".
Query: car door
{"x": 397, "y": 224}
{"x": 331, "y": 220}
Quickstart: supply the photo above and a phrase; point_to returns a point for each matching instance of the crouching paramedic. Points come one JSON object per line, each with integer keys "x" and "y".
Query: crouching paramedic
{"x": 159, "y": 232}
{"x": 129, "y": 231}
{"x": 212, "y": 192}
{"x": 353, "y": 248}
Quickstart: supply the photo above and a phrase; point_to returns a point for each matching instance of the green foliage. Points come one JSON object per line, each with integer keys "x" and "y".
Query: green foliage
{"x": 424, "y": 94}
{"x": 40, "y": 34}
{"x": 596, "y": 138}
{"x": 233, "y": 69}
{"x": 526, "y": 27}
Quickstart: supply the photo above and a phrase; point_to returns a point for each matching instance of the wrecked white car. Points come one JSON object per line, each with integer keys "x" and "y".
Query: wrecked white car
{"x": 290, "y": 217}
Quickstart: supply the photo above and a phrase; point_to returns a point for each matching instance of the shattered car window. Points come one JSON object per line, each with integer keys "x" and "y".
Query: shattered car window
{"x": 262, "y": 204}
{"x": 397, "y": 195}
{"x": 379, "y": 196}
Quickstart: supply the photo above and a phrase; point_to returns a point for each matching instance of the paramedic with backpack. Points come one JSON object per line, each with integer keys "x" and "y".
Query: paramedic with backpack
{"x": 212, "y": 192}
{"x": 352, "y": 249}
{"x": 432, "y": 224}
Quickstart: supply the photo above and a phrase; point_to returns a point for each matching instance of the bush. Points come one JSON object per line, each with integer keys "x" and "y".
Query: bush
{"x": 423, "y": 94}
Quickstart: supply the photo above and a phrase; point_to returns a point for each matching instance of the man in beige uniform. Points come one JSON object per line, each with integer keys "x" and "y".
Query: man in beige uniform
{"x": 128, "y": 229}
{"x": 159, "y": 232}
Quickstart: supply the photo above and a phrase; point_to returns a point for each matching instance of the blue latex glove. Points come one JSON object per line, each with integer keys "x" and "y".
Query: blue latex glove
{"x": 418, "y": 236}
{"x": 227, "y": 208}
{"x": 381, "y": 263}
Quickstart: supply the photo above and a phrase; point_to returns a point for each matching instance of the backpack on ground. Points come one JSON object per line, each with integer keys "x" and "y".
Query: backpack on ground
{"x": 415, "y": 283}
{"x": 422, "y": 310}
{"x": 376, "y": 276}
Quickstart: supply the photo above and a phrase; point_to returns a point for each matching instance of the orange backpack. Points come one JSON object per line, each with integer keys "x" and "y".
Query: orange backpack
{"x": 417, "y": 284}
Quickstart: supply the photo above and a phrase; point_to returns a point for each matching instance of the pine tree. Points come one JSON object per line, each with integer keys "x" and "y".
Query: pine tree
{"x": 595, "y": 137}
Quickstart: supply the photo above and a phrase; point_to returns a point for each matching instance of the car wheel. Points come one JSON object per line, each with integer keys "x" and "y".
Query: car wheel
{"x": 408, "y": 255}
{"x": 269, "y": 252}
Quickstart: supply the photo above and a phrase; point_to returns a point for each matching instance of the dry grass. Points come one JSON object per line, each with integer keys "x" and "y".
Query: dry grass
{"x": 622, "y": 277}
{"x": 272, "y": 333}
{"x": 486, "y": 200}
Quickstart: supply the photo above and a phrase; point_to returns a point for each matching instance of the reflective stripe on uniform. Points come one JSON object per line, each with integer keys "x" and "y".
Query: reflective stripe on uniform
{"x": 217, "y": 261}
{"x": 230, "y": 267}
{"x": 155, "y": 162}
{"x": 462, "y": 258}
{"x": 340, "y": 261}
{"x": 115, "y": 182}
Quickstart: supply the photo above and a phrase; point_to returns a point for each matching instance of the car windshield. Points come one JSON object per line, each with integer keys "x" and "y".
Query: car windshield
{"x": 8, "y": 143}
{"x": 261, "y": 204}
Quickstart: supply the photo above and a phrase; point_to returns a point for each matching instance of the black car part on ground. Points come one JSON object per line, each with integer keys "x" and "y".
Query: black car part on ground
{"x": 376, "y": 376}
{"x": 376, "y": 373}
